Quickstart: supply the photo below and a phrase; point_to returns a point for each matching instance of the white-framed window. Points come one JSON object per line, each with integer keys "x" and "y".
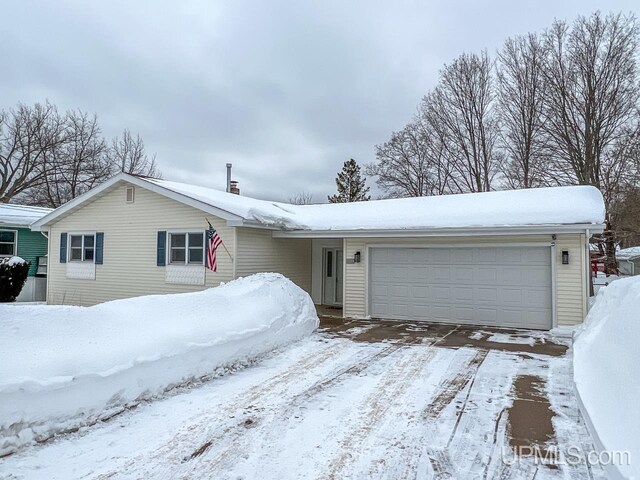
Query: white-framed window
{"x": 8, "y": 243}
{"x": 186, "y": 248}
{"x": 82, "y": 247}
{"x": 131, "y": 194}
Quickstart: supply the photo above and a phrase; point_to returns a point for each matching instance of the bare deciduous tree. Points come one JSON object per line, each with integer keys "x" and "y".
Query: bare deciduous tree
{"x": 127, "y": 154}
{"x": 463, "y": 106}
{"x": 592, "y": 75}
{"x": 592, "y": 93}
{"x": 521, "y": 94}
{"x": 413, "y": 162}
{"x": 48, "y": 159}
{"x": 301, "y": 198}
{"x": 75, "y": 165}
{"x": 27, "y": 134}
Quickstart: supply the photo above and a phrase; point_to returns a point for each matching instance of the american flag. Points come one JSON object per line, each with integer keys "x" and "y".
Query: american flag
{"x": 213, "y": 242}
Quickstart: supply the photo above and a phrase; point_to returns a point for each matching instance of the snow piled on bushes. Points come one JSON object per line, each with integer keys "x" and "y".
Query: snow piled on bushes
{"x": 64, "y": 367}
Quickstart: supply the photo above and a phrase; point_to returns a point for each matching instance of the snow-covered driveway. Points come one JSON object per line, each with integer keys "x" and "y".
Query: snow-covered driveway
{"x": 362, "y": 400}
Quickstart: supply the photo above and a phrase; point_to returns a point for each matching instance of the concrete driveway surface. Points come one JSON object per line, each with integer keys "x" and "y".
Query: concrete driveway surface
{"x": 358, "y": 399}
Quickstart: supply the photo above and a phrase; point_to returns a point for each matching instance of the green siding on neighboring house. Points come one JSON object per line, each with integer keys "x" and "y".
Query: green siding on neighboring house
{"x": 30, "y": 246}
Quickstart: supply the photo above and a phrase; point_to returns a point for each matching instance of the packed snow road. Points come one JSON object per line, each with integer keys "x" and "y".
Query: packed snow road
{"x": 361, "y": 400}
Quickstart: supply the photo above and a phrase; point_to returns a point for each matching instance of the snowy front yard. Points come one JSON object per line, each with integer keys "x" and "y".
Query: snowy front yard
{"x": 362, "y": 400}
{"x": 65, "y": 367}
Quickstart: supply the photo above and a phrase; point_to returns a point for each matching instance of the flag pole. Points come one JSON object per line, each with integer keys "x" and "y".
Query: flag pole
{"x": 221, "y": 242}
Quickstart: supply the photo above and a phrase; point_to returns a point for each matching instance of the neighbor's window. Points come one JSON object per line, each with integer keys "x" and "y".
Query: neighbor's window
{"x": 7, "y": 243}
{"x": 81, "y": 248}
{"x": 186, "y": 248}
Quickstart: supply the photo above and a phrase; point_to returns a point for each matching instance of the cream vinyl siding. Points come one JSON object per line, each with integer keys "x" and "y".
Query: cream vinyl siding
{"x": 257, "y": 251}
{"x": 130, "y": 237}
{"x": 569, "y": 278}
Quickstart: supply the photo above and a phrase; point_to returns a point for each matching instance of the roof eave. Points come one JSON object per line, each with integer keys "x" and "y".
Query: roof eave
{"x": 444, "y": 232}
{"x": 50, "y": 218}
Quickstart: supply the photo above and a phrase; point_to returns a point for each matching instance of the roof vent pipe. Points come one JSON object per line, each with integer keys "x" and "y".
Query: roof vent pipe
{"x": 229, "y": 177}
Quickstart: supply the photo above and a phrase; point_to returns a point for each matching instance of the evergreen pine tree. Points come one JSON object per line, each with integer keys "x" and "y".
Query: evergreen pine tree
{"x": 351, "y": 184}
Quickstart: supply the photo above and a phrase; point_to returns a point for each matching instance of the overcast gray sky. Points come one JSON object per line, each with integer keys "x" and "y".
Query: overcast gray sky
{"x": 286, "y": 91}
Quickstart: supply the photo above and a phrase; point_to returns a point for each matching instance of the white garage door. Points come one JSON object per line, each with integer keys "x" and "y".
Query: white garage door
{"x": 498, "y": 286}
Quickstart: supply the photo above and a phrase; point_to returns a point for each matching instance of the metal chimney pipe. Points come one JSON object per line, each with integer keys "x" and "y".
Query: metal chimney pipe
{"x": 229, "y": 177}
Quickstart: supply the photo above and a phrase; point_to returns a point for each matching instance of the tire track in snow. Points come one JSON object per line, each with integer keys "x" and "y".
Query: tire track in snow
{"x": 394, "y": 384}
{"x": 236, "y": 438}
{"x": 423, "y": 429}
{"x": 197, "y": 433}
{"x": 452, "y": 386}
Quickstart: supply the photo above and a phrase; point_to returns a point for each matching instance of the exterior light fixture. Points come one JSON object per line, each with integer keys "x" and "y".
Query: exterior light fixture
{"x": 356, "y": 257}
{"x": 565, "y": 257}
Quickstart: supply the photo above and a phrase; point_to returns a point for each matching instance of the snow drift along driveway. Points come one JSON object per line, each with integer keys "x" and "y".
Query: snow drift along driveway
{"x": 606, "y": 358}
{"x": 63, "y": 366}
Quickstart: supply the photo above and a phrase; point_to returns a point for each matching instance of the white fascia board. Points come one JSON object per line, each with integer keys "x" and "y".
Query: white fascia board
{"x": 140, "y": 182}
{"x": 440, "y": 232}
{"x": 239, "y": 222}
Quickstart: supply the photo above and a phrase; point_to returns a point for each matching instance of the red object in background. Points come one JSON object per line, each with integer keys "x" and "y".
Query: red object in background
{"x": 596, "y": 266}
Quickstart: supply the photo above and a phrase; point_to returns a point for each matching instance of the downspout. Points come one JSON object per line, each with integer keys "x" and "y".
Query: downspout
{"x": 589, "y": 287}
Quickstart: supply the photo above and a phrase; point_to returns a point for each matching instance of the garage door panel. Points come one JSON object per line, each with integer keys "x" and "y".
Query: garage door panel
{"x": 398, "y": 255}
{"x": 420, "y": 292}
{"x": 463, "y": 314}
{"x": 537, "y": 276}
{"x": 441, "y": 292}
{"x": 536, "y": 297}
{"x": 399, "y": 291}
{"x": 486, "y": 275}
{"x": 463, "y": 274}
{"x": 503, "y": 286}
{"x": 441, "y": 273}
{"x": 485, "y": 256}
{"x": 511, "y": 316}
{"x": 462, "y": 294}
{"x": 538, "y": 256}
{"x": 486, "y": 294}
{"x": 420, "y": 256}
{"x": 463, "y": 256}
{"x": 419, "y": 311}
{"x": 488, "y": 316}
{"x": 511, "y": 296}
{"x": 537, "y": 319}
{"x": 441, "y": 312}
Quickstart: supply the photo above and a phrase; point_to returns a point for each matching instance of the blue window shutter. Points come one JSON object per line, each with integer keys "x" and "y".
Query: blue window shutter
{"x": 205, "y": 243}
{"x": 161, "y": 257}
{"x": 63, "y": 248}
{"x": 99, "y": 247}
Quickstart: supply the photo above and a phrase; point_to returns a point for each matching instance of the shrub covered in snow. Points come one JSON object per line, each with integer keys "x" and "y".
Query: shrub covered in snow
{"x": 64, "y": 367}
{"x": 13, "y": 275}
{"x": 606, "y": 359}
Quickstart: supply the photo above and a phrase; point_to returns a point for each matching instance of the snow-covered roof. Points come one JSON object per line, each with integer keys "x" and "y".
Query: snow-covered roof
{"x": 575, "y": 205}
{"x": 630, "y": 252}
{"x": 12, "y": 215}
{"x": 541, "y": 206}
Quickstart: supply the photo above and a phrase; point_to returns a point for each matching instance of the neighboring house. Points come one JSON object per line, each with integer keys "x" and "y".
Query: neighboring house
{"x": 629, "y": 261}
{"x": 17, "y": 239}
{"x": 508, "y": 259}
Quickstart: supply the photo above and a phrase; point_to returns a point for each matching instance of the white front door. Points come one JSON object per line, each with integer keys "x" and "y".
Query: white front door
{"x": 332, "y": 276}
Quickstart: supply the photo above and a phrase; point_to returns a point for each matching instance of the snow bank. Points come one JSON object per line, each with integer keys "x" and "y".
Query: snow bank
{"x": 63, "y": 367}
{"x": 606, "y": 358}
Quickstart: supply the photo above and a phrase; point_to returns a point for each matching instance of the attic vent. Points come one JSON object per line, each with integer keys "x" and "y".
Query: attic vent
{"x": 130, "y": 194}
